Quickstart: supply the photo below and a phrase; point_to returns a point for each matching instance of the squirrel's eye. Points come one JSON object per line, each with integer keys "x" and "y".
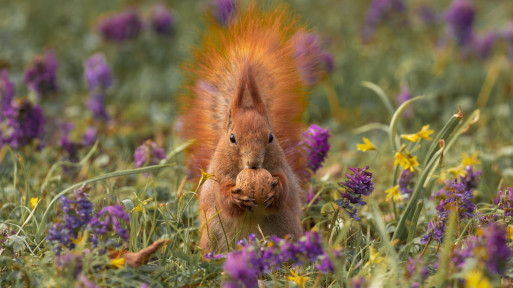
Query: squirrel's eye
{"x": 232, "y": 139}
{"x": 271, "y": 137}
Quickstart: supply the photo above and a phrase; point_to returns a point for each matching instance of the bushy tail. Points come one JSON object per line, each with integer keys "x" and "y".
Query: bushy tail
{"x": 262, "y": 39}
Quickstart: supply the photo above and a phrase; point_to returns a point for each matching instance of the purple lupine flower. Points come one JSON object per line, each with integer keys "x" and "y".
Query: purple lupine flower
{"x": 402, "y": 97}
{"x": 406, "y": 183}
{"x": 97, "y": 73}
{"x": 65, "y": 143}
{"x": 311, "y": 194}
{"x": 326, "y": 266}
{"x": 498, "y": 251}
{"x": 148, "y": 154}
{"x": 312, "y": 60}
{"x": 62, "y": 235}
{"x": 99, "y": 79}
{"x": 380, "y": 10}
{"x": 111, "y": 216}
{"x": 315, "y": 139}
{"x": 25, "y": 124}
{"x": 483, "y": 44}
{"x": 212, "y": 256}
{"x": 411, "y": 267}
{"x": 240, "y": 270}
{"x": 456, "y": 195}
{"x": 70, "y": 261}
{"x": 359, "y": 184}
{"x": 426, "y": 14}
{"x": 7, "y": 94}
{"x": 41, "y": 74}
{"x": 358, "y": 282}
{"x": 471, "y": 179}
{"x": 223, "y": 10}
{"x": 505, "y": 201}
{"x": 77, "y": 215}
{"x": 161, "y": 19}
{"x": 89, "y": 136}
{"x": 120, "y": 27}
{"x": 84, "y": 282}
{"x": 460, "y": 20}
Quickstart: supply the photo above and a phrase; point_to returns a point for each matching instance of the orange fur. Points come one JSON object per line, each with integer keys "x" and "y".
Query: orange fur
{"x": 244, "y": 82}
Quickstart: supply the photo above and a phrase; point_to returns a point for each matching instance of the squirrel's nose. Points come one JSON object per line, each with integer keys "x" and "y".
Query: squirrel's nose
{"x": 253, "y": 164}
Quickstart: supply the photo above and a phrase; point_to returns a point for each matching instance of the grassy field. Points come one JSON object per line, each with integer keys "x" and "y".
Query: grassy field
{"x": 92, "y": 169}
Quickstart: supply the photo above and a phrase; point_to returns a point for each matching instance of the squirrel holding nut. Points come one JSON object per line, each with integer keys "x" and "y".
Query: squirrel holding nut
{"x": 243, "y": 107}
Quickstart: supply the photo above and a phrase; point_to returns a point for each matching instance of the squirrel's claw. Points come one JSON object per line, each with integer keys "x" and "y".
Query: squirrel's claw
{"x": 270, "y": 199}
{"x": 241, "y": 201}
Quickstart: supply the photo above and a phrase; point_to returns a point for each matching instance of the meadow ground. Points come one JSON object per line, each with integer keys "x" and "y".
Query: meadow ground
{"x": 411, "y": 148}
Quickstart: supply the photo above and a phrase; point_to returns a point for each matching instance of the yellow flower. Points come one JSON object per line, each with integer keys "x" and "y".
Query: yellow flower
{"x": 393, "y": 193}
{"x": 458, "y": 171}
{"x": 367, "y": 146}
{"x": 510, "y": 232}
{"x": 33, "y": 202}
{"x": 139, "y": 207}
{"x": 470, "y": 159}
{"x": 118, "y": 262}
{"x": 407, "y": 162}
{"x": 422, "y": 134}
{"x": 475, "y": 279}
{"x": 374, "y": 257}
{"x": 299, "y": 280}
{"x": 205, "y": 176}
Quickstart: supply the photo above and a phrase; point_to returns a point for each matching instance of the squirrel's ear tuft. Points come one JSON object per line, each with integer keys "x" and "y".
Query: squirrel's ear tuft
{"x": 247, "y": 80}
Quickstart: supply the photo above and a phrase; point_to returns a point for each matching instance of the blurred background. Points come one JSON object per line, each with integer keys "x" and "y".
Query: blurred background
{"x": 457, "y": 53}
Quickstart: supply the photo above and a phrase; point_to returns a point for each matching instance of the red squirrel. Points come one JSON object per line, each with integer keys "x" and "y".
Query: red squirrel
{"x": 243, "y": 108}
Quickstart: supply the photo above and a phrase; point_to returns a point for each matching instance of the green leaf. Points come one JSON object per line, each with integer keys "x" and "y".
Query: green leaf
{"x": 16, "y": 242}
{"x": 394, "y": 140}
{"x": 381, "y": 94}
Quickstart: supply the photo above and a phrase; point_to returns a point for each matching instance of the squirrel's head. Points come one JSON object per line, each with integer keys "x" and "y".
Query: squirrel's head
{"x": 249, "y": 134}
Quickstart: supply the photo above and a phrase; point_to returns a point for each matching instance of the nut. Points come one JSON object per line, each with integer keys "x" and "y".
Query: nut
{"x": 255, "y": 183}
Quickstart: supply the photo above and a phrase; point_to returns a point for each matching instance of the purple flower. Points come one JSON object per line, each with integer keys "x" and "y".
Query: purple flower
{"x": 311, "y": 195}
{"x": 406, "y": 183}
{"x": 498, "y": 251}
{"x": 7, "y": 94}
{"x": 98, "y": 76}
{"x": 70, "y": 261}
{"x": 212, "y": 256}
{"x": 483, "y": 44}
{"x": 148, "y": 154}
{"x": 471, "y": 179}
{"x": 84, "y": 282}
{"x": 111, "y": 216}
{"x": 89, "y": 136}
{"x": 359, "y": 184}
{"x": 404, "y": 96}
{"x": 460, "y": 20}
{"x": 426, "y": 14}
{"x": 360, "y": 181}
{"x": 97, "y": 73}
{"x": 122, "y": 26}
{"x": 312, "y": 60}
{"x": 24, "y": 124}
{"x": 315, "y": 139}
{"x": 161, "y": 19}
{"x": 505, "y": 201}
{"x": 240, "y": 270}
{"x": 41, "y": 74}
{"x": 358, "y": 282}
{"x": 77, "y": 215}
{"x": 65, "y": 143}
{"x": 224, "y": 10}
{"x": 380, "y": 10}
{"x": 412, "y": 265}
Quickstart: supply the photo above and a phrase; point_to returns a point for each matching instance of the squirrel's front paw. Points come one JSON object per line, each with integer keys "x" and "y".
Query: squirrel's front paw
{"x": 271, "y": 196}
{"x": 242, "y": 201}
